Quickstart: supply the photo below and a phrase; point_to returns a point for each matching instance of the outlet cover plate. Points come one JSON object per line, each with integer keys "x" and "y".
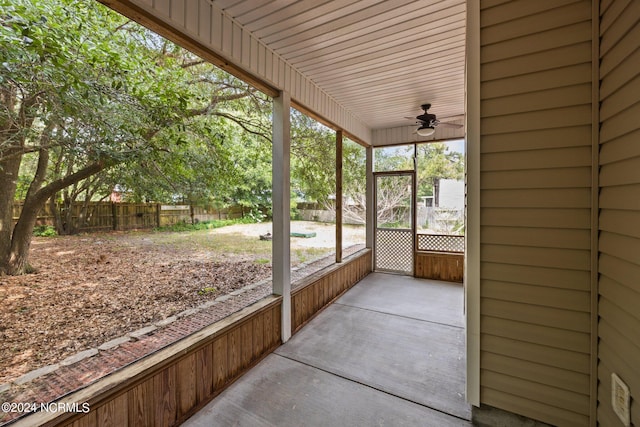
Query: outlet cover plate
{"x": 620, "y": 399}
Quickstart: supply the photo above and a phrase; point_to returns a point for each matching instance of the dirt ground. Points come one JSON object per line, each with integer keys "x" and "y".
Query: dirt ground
{"x": 89, "y": 289}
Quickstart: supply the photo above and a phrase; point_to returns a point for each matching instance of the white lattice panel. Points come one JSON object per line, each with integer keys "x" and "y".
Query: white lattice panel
{"x": 440, "y": 243}
{"x": 394, "y": 250}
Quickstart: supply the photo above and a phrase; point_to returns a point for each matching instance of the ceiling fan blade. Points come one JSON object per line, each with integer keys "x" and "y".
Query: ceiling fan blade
{"x": 451, "y": 125}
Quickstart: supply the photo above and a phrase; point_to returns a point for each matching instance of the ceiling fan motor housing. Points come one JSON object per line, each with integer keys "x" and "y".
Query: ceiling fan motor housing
{"x": 426, "y": 118}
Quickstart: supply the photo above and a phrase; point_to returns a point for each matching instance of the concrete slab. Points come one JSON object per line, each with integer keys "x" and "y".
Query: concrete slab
{"x": 142, "y": 331}
{"x": 31, "y": 375}
{"x": 429, "y": 300}
{"x": 420, "y": 361}
{"x": 282, "y": 392}
{"x": 75, "y": 358}
{"x": 114, "y": 343}
{"x": 389, "y": 352}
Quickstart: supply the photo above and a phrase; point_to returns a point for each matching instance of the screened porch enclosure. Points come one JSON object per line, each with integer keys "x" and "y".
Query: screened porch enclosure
{"x": 419, "y": 222}
{"x": 548, "y": 95}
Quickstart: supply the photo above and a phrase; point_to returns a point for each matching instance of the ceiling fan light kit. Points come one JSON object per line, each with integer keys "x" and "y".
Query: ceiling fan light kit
{"x": 425, "y": 131}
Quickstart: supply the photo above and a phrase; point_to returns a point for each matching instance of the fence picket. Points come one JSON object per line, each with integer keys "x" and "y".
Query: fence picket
{"x": 105, "y": 216}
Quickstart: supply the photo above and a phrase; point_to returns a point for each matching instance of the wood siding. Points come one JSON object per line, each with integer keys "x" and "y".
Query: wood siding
{"x": 535, "y": 211}
{"x": 166, "y": 387}
{"x": 440, "y": 266}
{"x": 619, "y": 223}
{"x": 319, "y": 290}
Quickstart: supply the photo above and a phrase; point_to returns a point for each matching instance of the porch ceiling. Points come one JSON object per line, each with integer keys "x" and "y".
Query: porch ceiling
{"x": 379, "y": 59}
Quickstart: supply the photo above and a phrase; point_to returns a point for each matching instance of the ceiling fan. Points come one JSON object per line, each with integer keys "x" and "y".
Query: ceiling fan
{"x": 428, "y": 122}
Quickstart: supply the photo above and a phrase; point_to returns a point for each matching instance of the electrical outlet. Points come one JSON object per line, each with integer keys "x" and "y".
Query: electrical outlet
{"x": 620, "y": 399}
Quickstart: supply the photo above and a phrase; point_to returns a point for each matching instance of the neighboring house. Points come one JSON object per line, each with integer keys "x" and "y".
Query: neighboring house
{"x": 451, "y": 194}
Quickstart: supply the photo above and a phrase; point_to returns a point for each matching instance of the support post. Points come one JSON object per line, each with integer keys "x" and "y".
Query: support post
{"x": 472, "y": 205}
{"x": 338, "y": 196}
{"x": 371, "y": 209}
{"x": 281, "y": 261}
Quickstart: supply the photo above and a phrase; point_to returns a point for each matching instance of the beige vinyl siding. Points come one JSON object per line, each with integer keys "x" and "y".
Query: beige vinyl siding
{"x": 536, "y": 208}
{"x": 619, "y": 221}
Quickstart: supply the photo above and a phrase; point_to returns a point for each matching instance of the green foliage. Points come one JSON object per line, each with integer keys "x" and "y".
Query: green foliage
{"x": 44, "y": 231}
{"x": 90, "y": 100}
{"x": 313, "y": 159}
{"x": 436, "y": 162}
{"x": 393, "y": 158}
{"x": 107, "y": 90}
{"x": 205, "y": 225}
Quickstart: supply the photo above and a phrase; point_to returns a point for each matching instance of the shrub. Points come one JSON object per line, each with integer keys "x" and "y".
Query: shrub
{"x": 44, "y": 231}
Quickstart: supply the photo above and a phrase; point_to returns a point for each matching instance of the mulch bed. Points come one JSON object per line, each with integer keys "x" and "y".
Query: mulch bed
{"x": 100, "y": 288}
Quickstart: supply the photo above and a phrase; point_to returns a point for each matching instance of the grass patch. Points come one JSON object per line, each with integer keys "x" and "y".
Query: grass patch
{"x": 219, "y": 243}
{"x": 205, "y": 225}
{"x": 299, "y": 256}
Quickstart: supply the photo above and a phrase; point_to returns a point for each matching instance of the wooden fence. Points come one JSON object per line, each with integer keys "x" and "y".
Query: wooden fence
{"x": 104, "y": 216}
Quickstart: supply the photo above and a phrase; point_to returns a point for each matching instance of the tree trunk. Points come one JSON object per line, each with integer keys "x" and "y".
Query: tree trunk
{"x": 57, "y": 218}
{"x": 83, "y": 216}
{"x": 8, "y": 179}
{"x": 21, "y": 239}
{"x": 15, "y": 262}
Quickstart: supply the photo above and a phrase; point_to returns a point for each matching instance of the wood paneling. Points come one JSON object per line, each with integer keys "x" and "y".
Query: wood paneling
{"x": 168, "y": 386}
{"x": 164, "y": 397}
{"x": 204, "y": 372}
{"x": 187, "y": 384}
{"x": 356, "y": 65}
{"x": 321, "y": 289}
{"x": 440, "y": 266}
{"x": 619, "y": 243}
{"x": 113, "y": 413}
{"x": 140, "y": 399}
{"x": 536, "y": 218}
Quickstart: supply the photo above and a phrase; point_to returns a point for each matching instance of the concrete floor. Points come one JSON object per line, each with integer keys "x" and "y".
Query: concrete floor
{"x": 390, "y": 352}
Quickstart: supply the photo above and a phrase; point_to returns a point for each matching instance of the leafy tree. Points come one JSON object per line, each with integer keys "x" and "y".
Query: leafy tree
{"x": 61, "y": 92}
{"x": 82, "y": 91}
{"x": 313, "y": 159}
{"x": 354, "y": 182}
{"x": 252, "y": 189}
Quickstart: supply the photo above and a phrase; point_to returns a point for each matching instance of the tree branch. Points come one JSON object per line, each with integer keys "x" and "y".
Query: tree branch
{"x": 242, "y": 124}
{"x": 50, "y": 189}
